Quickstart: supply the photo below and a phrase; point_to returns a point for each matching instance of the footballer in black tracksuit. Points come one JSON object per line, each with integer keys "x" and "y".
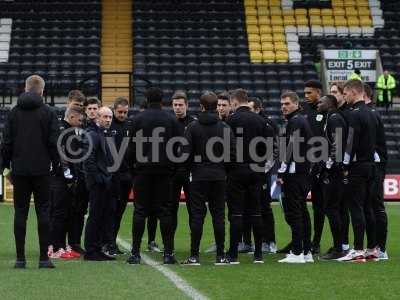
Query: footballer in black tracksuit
{"x": 266, "y": 209}
{"x": 207, "y": 177}
{"x": 295, "y": 188}
{"x": 62, "y": 191}
{"x": 316, "y": 121}
{"x": 246, "y": 179}
{"x": 122, "y": 183}
{"x": 152, "y": 176}
{"x": 345, "y": 110}
{"x": 359, "y": 163}
{"x": 181, "y": 177}
{"x": 332, "y": 178}
{"x": 376, "y": 193}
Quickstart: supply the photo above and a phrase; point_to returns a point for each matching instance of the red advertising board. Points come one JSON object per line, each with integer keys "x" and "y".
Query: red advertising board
{"x": 391, "y": 187}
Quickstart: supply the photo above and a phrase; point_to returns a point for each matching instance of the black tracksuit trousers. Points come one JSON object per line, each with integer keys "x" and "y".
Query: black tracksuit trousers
{"x": 361, "y": 177}
{"x": 378, "y": 206}
{"x": 60, "y": 207}
{"x": 79, "y": 208}
{"x": 24, "y": 186}
{"x": 243, "y": 195}
{"x": 345, "y": 213}
{"x": 123, "y": 186}
{"x": 99, "y": 225}
{"x": 333, "y": 196}
{"x": 151, "y": 201}
{"x": 295, "y": 189}
{"x": 176, "y": 187}
{"x": 267, "y": 214}
{"x": 212, "y": 192}
{"x": 318, "y": 209}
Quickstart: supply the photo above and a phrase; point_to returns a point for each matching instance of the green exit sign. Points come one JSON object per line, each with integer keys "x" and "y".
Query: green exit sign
{"x": 349, "y": 54}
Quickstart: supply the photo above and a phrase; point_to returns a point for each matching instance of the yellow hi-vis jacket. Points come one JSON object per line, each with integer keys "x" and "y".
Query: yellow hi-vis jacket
{"x": 355, "y": 76}
{"x": 389, "y": 86}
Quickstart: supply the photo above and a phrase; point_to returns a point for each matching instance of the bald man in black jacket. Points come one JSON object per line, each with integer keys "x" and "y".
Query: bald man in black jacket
{"x": 98, "y": 178}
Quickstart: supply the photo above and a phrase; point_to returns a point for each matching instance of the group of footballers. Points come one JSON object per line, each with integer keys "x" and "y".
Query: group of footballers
{"x": 96, "y": 165}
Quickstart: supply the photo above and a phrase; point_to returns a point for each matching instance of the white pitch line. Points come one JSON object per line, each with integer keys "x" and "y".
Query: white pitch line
{"x": 178, "y": 281}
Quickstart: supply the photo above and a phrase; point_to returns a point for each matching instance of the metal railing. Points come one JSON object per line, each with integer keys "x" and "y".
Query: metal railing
{"x": 130, "y": 84}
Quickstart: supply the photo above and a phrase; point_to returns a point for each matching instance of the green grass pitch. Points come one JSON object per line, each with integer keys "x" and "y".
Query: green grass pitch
{"x": 117, "y": 280}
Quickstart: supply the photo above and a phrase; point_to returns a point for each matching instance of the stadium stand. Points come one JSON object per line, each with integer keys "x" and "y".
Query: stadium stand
{"x": 59, "y": 40}
{"x": 380, "y": 31}
{"x": 264, "y": 46}
{"x": 197, "y": 46}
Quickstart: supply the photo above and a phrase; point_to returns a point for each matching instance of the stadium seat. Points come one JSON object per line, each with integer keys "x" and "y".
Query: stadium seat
{"x": 288, "y": 12}
{"x": 265, "y": 29}
{"x": 289, "y": 20}
{"x": 267, "y": 46}
{"x": 264, "y": 20}
{"x": 266, "y": 38}
{"x": 279, "y": 37}
{"x": 340, "y": 21}
{"x": 268, "y": 56}
{"x": 62, "y": 47}
{"x": 291, "y": 37}
{"x": 317, "y": 30}
{"x": 367, "y": 31}
{"x": 282, "y": 56}
{"x": 301, "y": 20}
{"x": 342, "y": 31}
{"x": 355, "y": 31}
{"x": 378, "y": 22}
{"x": 338, "y": 11}
{"x": 303, "y": 30}
{"x": 293, "y": 47}
{"x": 375, "y": 11}
{"x": 294, "y": 57}
{"x": 330, "y": 31}
{"x": 315, "y": 20}
{"x": 365, "y": 21}
{"x": 291, "y": 30}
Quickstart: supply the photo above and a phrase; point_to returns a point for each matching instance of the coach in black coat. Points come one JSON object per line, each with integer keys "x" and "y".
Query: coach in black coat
{"x": 29, "y": 150}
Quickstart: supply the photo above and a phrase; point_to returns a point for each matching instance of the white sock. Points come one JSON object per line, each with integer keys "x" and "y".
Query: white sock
{"x": 345, "y": 247}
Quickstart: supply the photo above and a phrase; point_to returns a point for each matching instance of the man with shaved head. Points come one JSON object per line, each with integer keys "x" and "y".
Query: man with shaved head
{"x": 98, "y": 181}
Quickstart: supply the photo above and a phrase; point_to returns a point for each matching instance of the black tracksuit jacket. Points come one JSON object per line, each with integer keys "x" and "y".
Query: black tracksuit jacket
{"x": 381, "y": 147}
{"x": 361, "y": 141}
{"x": 146, "y": 122}
{"x": 30, "y": 137}
{"x": 122, "y": 130}
{"x": 297, "y": 123}
{"x": 336, "y": 134}
{"x": 252, "y": 126}
{"x": 198, "y": 133}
